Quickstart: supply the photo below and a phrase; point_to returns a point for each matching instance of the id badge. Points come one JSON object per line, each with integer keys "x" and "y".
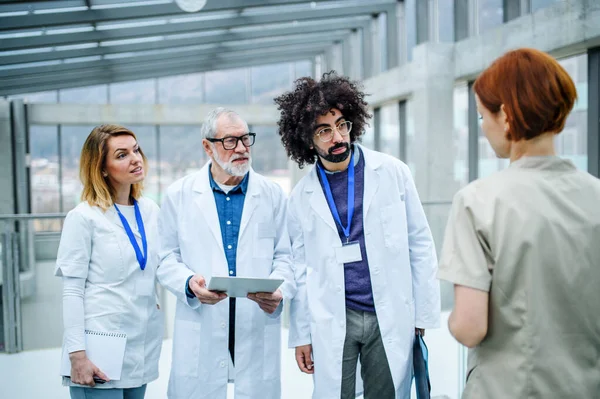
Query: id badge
{"x": 144, "y": 285}
{"x": 348, "y": 253}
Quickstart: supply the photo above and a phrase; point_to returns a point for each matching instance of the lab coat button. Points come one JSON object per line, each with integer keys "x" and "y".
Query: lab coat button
{"x": 339, "y": 289}
{"x": 222, "y": 364}
{"x": 223, "y": 324}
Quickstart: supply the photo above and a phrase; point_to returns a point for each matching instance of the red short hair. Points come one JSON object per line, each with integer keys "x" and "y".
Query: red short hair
{"x": 537, "y": 92}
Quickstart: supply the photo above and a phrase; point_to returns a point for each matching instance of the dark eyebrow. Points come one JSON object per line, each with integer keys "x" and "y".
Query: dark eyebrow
{"x": 125, "y": 149}
{"x": 327, "y": 125}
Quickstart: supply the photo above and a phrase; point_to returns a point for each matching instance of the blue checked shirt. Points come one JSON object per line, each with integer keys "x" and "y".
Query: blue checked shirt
{"x": 229, "y": 209}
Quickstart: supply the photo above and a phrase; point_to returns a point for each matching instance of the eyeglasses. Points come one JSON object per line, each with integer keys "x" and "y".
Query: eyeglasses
{"x": 326, "y": 134}
{"x": 231, "y": 142}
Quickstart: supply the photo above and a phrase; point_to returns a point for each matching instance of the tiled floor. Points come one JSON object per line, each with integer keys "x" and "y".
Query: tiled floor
{"x": 34, "y": 374}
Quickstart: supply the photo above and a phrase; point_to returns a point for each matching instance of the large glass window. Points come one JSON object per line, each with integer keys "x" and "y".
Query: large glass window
{"x": 572, "y": 142}
{"x": 40, "y": 97}
{"x": 181, "y": 153}
{"x": 390, "y": 130}
{"x": 269, "y": 81}
{"x": 226, "y": 87}
{"x": 269, "y": 157}
{"x": 71, "y": 142}
{"x": 410, "y": 18}
{"x": 45, "y": 193}
{"x": 136, "y": 92}
{"x": 491, "y": 14}
{"x": 461, "y": 134}
{"x": 303, "y": 68}
{"x": 537, "y": 4}
{"x": 446, "y": 20}
{"x": 182, "y": 89}
{"x": 368, "y": 137}
{"x": 84, "y": 95}
{"x": 411, "y": 154}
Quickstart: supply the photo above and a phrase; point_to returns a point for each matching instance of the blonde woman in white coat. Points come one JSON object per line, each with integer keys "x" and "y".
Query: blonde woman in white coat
{"x": 107, "y": 259}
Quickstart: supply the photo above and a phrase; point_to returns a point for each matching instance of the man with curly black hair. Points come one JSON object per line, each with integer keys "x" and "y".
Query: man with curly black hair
{"x": 364, "y": 257}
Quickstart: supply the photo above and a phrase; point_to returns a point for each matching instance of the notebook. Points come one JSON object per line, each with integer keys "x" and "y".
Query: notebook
{"x": 105, "y": 349}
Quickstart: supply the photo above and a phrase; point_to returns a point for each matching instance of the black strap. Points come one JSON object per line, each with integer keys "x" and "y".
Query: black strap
{"x": 232, "y": 329}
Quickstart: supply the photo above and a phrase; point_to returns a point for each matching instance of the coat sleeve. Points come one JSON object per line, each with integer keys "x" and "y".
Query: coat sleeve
{"x": 172, "y": 273}
{"x": 282, "y": 257}
{"x": 299, "y": 314}
{"x": 423, "y": 258}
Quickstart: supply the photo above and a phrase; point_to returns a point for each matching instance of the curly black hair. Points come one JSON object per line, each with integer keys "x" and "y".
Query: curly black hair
{"x": 301, "y": 107}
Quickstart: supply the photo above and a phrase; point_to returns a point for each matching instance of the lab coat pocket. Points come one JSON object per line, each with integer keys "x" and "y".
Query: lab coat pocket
{"x": 264, "y": 241}
{"x": 186, "y": 355}
{"x": 393, "y": 223}
{"x": 106, "y": 247}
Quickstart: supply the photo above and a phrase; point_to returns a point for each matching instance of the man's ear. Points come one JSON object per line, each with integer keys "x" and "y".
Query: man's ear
{"x": 208, "y": 148}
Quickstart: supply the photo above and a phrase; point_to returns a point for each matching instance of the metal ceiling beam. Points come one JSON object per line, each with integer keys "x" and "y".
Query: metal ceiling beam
{"x": 324, "y": 15}
{"x": 185, "y": 55}
{"x": 166, "y": 63}
{"x": 336, "y": 25}
{"x": 19, "y": 86}
{"x": 123, "y": 13}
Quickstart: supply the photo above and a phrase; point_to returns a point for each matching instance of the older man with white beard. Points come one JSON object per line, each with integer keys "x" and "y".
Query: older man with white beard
{"x": 225, "y": 220}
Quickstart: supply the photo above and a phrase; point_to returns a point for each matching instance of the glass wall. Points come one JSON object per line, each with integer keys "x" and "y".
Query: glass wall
{"x": 491, "y": 14}
{"x": 445, "y": 15}
{"x": 172, "y": 151}
{"x": 461, "y": 134}
{"x": 572, "y": 142}
{"x": 537, "y": 4}
{"x": 390, "y": 130}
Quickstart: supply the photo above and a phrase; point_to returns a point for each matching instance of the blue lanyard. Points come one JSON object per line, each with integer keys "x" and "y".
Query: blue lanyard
{"x": 138, "y": 218}
{"x": 331, "y": 202}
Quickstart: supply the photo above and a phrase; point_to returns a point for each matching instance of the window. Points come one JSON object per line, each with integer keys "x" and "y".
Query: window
{"x": 461, "y": 134}
{"x": 137, "y": 92}
{"x": 390, "y": 130}
{"x": 84, "y": 95}
{"x": 269, "y": 157}
{"x": 181, "y": 153}
{"x": 269, "y": 81}
{"x": 538, "y": 4}
{"x": 45, "y": 193}
{"x": 491, "y": 14}
{"x": 445, "y": 14}
{"x": 571, "y": 143}
{"x": 226, "y": 87}
{"x": 182, "y": 89}
{"x": 40, "y": 97}
{"x": 410, "y": 20}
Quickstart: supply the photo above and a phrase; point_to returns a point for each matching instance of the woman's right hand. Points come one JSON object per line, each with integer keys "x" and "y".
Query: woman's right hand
{"x": 83, "y": 370}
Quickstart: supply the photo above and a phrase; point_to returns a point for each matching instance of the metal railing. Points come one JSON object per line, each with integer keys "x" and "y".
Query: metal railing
{"x": 18, "y": 272}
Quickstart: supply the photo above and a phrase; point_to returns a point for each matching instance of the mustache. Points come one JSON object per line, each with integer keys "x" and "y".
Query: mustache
{"x": 239, "y": 156}
{"x": 338, "y": 146}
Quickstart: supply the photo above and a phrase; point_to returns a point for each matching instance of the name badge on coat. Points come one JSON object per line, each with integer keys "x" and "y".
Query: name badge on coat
{"x": 348, "y": 253}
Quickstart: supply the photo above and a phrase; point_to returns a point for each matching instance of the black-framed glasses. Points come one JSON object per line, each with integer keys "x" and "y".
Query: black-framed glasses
{"x": 231, "y": 142}
{"x": 326, "y": 134}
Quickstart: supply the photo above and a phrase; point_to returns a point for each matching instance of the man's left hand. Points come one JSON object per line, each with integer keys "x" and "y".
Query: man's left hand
{"x": 266, "y": 301}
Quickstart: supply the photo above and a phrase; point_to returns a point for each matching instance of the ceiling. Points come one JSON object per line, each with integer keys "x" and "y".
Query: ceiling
{"x": 47, "y": 45}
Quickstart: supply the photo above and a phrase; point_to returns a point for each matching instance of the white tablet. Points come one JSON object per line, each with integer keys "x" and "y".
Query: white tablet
{"x": 237, "y": 287}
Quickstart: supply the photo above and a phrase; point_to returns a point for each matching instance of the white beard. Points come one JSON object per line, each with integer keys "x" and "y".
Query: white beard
{"x": 230, "y": 168}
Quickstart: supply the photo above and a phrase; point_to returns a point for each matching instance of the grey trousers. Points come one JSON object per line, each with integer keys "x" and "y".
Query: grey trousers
{"x": 364, "y": 339}
{"x": 109, "y": 393}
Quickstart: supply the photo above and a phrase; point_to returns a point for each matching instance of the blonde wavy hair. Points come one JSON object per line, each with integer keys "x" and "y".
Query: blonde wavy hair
{"x": 97, "y": 190}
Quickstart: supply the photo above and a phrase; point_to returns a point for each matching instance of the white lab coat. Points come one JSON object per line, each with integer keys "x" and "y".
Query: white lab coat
{"x": 191, "y": 243}
{"x": 402, "y": 265}
{"x": 119, "y": 296}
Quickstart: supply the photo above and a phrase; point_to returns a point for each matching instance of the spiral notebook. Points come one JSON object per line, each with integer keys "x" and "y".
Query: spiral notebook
{"x": 105, "y": 349}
